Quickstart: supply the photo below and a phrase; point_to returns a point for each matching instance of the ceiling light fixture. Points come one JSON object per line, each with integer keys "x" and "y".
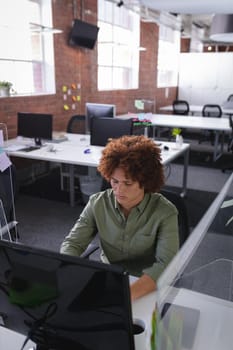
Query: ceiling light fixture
{"x": 222, "y": 28}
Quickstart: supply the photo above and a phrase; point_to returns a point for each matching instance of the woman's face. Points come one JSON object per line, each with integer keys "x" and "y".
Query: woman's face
{"x": 128, "y": 193}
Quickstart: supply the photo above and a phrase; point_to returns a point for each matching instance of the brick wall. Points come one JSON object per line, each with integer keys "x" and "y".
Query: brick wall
{"x": 79, "y": 66}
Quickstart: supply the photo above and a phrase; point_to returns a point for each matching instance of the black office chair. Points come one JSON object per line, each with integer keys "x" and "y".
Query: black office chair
{"x": 180, "y": 107}
{"x": 8, "y": 189}
{"x": 183, "y": 220}
{"x": 230, "y": 145}
{"x": 76, "y": 125}
{"x": 213, "y": 111}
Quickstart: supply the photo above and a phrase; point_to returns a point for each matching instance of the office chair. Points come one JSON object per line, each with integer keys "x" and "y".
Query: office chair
{"x": 76, "y": 125}
{"x": 183, "y": 220}
{"x": 230, "y": 98}
{"x": 230, "y": 145}
{"x": 180, "y": 107}
{"x": 8, "y": 223}
{"x": 213, "y": 111}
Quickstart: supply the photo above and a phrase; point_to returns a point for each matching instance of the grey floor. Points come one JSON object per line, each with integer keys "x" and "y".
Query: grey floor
{"x": 199, "y": 178}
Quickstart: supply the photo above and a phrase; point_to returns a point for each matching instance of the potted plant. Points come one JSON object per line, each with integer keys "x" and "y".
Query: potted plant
{"x": 177, "y": 133}
{"x": 5, "y": 87}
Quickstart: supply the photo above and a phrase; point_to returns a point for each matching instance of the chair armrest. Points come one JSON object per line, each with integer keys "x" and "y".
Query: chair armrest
{"x": 90, "y": 249}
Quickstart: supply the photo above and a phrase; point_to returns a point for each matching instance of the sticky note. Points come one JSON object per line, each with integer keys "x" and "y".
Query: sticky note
{"x": 139, "y": 104}
{"x": 64, "y": 88}
{"x": 1, "y": 138}
{"x": 4, "y": 161}
{"x": 66, "y": 107}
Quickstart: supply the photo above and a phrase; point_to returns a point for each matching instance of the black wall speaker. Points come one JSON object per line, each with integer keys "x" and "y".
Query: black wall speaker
{"x": 83, "y": 34}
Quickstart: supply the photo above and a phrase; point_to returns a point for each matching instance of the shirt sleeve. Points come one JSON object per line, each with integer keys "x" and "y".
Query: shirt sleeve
{"x": 82, "y": 233}
{"x": 167, "y": 243}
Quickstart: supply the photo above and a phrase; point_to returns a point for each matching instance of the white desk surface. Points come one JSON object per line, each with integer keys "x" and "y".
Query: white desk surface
{"x": 197, "y": 109}
{"x": 72, "y": 151}
{"x": 214, "y": 330}
{"x": 178, "y": 121}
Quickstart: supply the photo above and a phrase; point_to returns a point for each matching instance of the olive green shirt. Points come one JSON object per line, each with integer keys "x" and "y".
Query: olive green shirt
{"x": 144, "y": 243}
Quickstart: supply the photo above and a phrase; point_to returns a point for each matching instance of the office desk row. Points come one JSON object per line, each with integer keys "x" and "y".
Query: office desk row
{"x": 74, "y": 152}
{"x": 219, "y": 125}
{"x": 197, "y": 109}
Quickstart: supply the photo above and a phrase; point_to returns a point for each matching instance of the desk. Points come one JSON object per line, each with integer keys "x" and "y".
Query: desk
{"x": 71, "y": 152}
{"x": 219, "y": 125}
{"x": 197, "y": 109}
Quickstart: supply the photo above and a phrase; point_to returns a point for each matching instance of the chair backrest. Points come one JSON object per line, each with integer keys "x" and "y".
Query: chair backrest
{"x": 212, "y": 110}
{"x": 183, "y": 220}
{"x": 76, "y": 124}
{"x": 230, "y": 143}
{"x": 180, "y": 107}
{"x": 230, "y": 98}
{"x": 103, "y": 129}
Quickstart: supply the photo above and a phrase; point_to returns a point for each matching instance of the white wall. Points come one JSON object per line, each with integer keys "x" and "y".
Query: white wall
{"x": 205, "y": 77}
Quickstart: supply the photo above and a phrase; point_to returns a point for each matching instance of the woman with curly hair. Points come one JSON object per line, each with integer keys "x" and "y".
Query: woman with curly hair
{"x": 137, "y": 226}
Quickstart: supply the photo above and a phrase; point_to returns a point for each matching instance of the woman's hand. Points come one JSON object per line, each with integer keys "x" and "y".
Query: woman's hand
{"x": 144, "y": 285}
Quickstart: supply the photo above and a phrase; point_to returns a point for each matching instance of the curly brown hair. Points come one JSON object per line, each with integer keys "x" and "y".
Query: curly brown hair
{"x": 138, "y": 156}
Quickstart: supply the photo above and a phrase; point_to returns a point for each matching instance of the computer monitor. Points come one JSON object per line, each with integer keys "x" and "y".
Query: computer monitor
{"x": 62, "y": 302}
{"x": 37, "y": 126}
{"x": 104, "y": 129}
{"x": 98, "y": 110}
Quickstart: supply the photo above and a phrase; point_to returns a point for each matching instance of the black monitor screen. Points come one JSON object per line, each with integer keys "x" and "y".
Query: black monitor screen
{"x": 62, "y": 302}
{"x": 98, "y": 110}
{"x": 35, "y": 125}
{"x": 104, "y": 129}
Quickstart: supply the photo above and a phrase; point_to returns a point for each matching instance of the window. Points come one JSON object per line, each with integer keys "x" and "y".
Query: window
{"x": 118, "y": 47}
{"x": 26, "y": 52}
{"x": 168, "y": 56}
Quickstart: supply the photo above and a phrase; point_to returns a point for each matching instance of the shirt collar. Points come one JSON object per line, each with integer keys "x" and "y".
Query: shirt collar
{"x": 140, "y": 207}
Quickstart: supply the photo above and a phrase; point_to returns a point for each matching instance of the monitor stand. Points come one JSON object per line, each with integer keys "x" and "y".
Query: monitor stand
{"x": 38, "y": 142}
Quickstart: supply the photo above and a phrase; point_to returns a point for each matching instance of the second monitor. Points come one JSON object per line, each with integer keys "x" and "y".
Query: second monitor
{"x": 98, "y": 110}
{"x": 103, "y": 129}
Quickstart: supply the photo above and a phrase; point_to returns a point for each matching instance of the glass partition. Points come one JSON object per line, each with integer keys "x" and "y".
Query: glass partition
{"x": 194, "y": 307}
{"x": 8, "y": 222}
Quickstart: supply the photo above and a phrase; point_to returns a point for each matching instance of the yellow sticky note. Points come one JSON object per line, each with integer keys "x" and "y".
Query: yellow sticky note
{"x": 64, "y": 88}
{"x": 66, "y": 107}
{"x": 78, "y": 98}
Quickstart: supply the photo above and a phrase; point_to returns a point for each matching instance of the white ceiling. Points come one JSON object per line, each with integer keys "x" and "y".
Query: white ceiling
{"x": 190, "y": 6}
{"x": 197, "y": 12}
